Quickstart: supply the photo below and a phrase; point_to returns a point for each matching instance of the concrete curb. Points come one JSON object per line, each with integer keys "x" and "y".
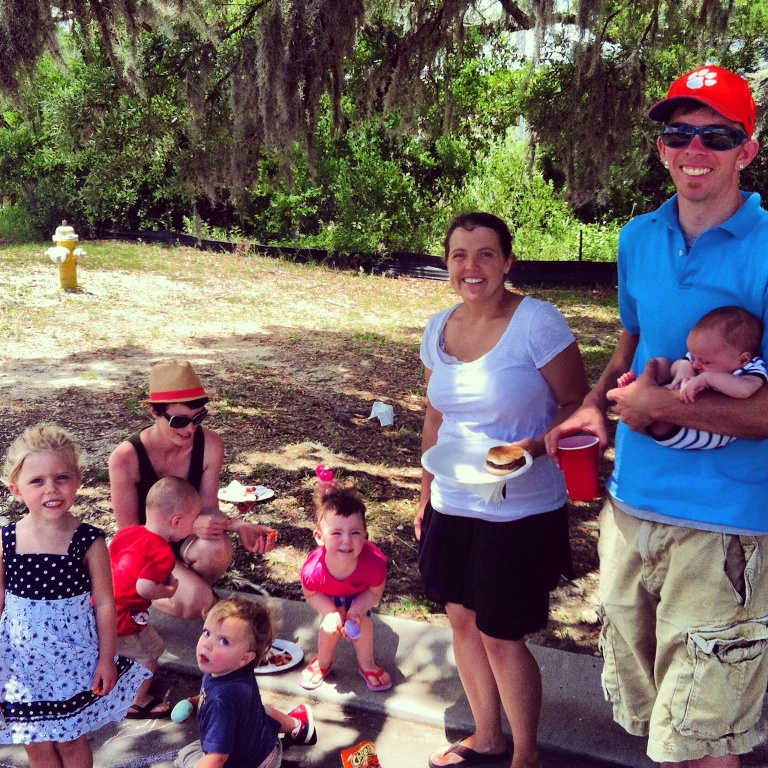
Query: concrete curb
{"x": 576, "y": 720}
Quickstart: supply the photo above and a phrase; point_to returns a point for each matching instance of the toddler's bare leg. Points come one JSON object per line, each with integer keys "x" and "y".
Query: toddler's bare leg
{"x": 75, "y": 754}
{"x": 364, "y": 651}
{"x": 43, "y": 754}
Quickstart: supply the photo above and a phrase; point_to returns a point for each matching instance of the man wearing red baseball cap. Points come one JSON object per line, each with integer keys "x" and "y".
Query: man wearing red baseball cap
{"x": 684, "y": 580}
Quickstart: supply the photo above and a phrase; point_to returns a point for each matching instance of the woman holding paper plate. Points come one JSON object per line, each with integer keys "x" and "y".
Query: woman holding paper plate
{"x": 500, "y": 368}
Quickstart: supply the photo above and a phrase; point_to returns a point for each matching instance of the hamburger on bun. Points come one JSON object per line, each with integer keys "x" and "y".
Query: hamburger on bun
{"x": 503, "y": 459}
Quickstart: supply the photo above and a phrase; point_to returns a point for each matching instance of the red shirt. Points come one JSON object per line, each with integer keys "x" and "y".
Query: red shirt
{"x": 371, "y": 571}
{"x": 137, "y": 553}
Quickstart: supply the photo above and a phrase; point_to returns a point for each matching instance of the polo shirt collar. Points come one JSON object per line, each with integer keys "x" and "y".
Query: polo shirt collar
{"x": 739, "y": 225}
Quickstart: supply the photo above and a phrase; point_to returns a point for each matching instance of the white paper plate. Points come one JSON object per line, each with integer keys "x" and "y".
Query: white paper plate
{"x": 237, "y": 494}
{"x": 282, "y": 645}
{"x": 462, "y": 461}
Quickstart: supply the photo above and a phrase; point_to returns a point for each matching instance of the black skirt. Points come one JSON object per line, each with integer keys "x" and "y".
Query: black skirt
{"x": 503, "y": 571}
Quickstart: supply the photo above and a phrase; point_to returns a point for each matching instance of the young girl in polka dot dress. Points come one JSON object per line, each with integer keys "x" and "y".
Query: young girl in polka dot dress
{"x": 59, "y": 676}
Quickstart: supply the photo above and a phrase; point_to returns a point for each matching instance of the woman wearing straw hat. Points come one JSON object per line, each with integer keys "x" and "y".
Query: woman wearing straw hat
{"x": 176, "y": 444}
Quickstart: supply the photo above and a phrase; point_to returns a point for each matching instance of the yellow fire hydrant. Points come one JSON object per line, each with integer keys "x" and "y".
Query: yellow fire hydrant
{"x": 65, "y": 253}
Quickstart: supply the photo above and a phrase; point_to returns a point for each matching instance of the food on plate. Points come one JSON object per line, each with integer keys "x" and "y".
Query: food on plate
{"x": 276, "y": 658}
{"x": 503, "y": 459}
{"x": 236, "y": 492}
{"x": 244, "y": 496}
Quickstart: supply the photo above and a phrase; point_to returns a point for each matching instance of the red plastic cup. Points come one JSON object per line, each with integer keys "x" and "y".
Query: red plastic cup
{"x": 578, "y": 456}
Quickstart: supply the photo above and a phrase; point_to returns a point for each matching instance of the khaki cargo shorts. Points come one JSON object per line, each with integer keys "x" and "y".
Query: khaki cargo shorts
{"x": 193, "y": 753}
{"x": 685, "y": 635}
{"x": 142, "y": 647}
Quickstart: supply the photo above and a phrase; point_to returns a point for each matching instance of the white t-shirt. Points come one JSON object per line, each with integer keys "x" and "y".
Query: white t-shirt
{"x": 502, "y": 396}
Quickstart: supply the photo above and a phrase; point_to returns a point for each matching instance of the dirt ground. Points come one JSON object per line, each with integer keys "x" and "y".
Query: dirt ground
{"x": 284, "y": 400}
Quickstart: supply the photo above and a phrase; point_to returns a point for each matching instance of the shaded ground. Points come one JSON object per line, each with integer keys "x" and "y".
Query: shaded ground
{"x": 293, "y": 388}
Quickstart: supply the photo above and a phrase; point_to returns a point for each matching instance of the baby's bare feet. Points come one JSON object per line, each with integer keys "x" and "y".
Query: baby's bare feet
{"x": 626, "y": 378}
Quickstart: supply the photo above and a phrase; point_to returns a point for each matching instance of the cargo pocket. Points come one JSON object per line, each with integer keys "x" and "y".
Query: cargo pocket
{"x": 719, "y": 692}
{"x": 609, "y": 676}
{"x": 741, "y": 565}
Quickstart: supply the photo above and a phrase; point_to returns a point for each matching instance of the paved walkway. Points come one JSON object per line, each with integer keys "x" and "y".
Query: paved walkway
{"x": 407, "y": 723}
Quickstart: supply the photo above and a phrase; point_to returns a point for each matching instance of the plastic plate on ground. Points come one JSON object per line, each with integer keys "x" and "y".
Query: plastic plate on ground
{"x": 237, "y": 493}
{"x": 281, "y": 656}
{"x": 461, "y": 462}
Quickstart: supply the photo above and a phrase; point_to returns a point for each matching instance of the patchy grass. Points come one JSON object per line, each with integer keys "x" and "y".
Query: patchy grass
{"x": 295, "y": 356}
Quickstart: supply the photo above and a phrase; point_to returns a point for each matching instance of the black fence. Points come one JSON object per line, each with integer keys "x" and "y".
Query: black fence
{"x": 532, "y": 273}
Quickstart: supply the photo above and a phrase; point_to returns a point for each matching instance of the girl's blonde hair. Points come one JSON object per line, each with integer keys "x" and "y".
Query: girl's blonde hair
{"x": 332, "y": 500}
{"x": 41, "y": 437}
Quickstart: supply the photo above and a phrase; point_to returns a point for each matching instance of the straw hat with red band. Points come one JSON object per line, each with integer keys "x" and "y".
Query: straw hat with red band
{"x": 174, "y": 383}
{"x": 717, "y": 88}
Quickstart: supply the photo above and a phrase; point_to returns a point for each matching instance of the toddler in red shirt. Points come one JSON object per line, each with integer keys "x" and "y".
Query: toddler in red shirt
{"x": 142, "y": 571}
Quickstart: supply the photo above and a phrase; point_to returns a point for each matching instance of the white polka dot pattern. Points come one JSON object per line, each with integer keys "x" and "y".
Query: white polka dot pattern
{"x": 49, "y": 629}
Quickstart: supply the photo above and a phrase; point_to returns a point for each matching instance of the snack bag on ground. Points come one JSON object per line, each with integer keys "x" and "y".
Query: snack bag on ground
{"x": 362, "y": 755}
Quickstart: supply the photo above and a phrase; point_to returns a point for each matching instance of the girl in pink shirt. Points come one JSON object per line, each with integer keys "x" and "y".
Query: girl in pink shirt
{"x": 343, "y": 579}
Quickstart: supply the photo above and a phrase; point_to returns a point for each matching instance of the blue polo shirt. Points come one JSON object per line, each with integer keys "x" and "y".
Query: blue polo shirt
{"x": 664, "y": 289}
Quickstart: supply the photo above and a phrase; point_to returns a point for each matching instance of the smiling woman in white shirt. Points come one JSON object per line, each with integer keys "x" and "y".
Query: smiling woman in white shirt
{"x": 502, "y": 366}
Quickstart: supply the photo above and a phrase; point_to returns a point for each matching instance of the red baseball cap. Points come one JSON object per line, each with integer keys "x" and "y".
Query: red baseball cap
{"x": 718, "y": 88}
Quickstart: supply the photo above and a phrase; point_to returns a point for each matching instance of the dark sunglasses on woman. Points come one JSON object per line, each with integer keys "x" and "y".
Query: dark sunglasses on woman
{"x": 717, "y": 137}
{"x": 179, "y": 422}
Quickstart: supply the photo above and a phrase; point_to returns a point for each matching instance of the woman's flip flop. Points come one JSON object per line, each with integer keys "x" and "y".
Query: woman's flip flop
{"x": 469, "y": 757}
{"x": 376, "y": 679}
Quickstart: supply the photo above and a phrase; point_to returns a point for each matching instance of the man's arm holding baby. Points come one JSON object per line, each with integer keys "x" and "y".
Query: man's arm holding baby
{"x": 643, "y": 402}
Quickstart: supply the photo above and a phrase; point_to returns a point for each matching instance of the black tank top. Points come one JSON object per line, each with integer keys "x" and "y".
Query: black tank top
{"x": 148, "y": 477}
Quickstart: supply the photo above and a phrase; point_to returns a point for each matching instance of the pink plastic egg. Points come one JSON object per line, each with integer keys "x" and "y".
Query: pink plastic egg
{"x": 352, "y": 630}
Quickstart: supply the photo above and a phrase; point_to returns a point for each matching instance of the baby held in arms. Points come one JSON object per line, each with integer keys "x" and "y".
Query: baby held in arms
{"x": 723, "y": 356}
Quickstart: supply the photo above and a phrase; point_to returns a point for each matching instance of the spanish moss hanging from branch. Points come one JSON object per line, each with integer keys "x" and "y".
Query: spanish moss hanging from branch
{"x": 255, "y": 72}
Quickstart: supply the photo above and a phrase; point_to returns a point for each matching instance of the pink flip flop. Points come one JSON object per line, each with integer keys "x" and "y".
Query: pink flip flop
{"x": 316, "y": 675}
{"x": 373, "y": 679}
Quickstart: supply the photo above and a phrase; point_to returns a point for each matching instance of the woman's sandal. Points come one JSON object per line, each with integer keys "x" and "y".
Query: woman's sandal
{"x": 147, "y": 711}
{"x": 468, "y": 757}
{"x": 313, "y": 675}
{"x": 373, "y": 679}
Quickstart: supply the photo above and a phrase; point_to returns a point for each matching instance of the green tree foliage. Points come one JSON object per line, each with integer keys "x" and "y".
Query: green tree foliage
{"x": 589, "y": 95}
{"x": 505, "y": 182}
{"x": 255, "y": 72}
{"x": 370, "y": 191}
{"x": 77, "y": 147}
{"x": 354, "y": 123}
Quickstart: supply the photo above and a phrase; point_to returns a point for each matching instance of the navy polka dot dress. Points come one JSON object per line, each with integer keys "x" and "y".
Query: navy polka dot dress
{"x": 49, "y": 647}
